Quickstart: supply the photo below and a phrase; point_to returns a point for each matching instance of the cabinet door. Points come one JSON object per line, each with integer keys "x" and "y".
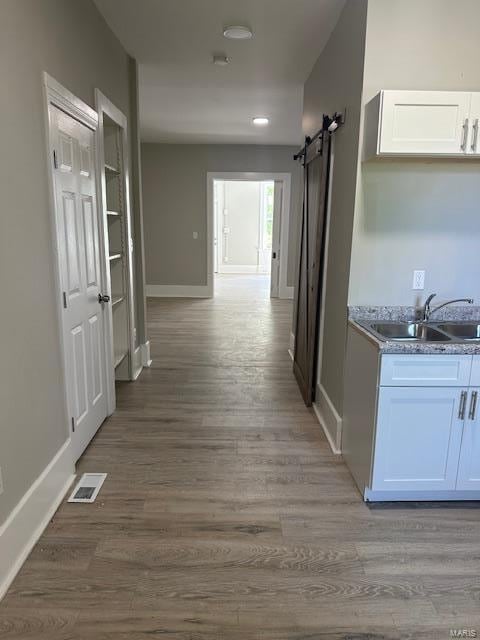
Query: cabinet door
{"x": 469, "y": 465}
{"x": 475, "y": 375}
{"x": 418, "y": 436}
{"x": 473, "y": 147}
{"x": 424, "y": 122}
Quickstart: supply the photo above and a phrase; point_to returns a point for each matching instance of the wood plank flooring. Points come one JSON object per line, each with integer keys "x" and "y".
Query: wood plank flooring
{"x": 225, "y": 515}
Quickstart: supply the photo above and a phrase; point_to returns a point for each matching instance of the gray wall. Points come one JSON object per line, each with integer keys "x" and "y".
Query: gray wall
{"x": 418, "y": 214}
{"x": 174, "y": 203}
{"x": 69, "y": 40}
{"x": 335, "y": 84}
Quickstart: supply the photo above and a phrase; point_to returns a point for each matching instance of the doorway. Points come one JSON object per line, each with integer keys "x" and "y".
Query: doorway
{"x": 243, "y": 225}
{"x": 248, "y": 220}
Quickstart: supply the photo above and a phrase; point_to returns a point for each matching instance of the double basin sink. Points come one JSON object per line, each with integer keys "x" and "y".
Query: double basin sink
{"x": 425, "y": 332}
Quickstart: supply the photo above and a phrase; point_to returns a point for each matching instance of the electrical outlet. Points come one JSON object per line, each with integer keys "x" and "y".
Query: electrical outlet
{"x": 418, "y": 280}
{"x": 1, "y": 482}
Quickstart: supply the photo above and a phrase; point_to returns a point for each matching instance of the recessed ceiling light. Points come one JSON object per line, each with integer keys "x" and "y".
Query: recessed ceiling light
{"x": 238, "y": 32}
{"x": 221, "y": 60}
{"x": 260, "y": 121}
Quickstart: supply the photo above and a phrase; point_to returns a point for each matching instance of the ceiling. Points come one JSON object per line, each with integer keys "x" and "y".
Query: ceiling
{"x": 184, "y": 98}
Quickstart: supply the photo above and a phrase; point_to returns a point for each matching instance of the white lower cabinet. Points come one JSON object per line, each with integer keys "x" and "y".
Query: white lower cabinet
{"x": 427, "y": 436}
{"x": 418, "y": 438}
{"x": 469, "y": 464}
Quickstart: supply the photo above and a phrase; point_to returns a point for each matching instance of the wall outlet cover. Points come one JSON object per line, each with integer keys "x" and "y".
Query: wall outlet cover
{"x": 418, "y": 280}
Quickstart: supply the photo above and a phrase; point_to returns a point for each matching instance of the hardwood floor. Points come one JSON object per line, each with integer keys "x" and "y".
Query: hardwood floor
{"x": 225, "y": 515}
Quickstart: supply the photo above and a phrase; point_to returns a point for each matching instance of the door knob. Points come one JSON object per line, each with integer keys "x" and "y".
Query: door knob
{"x": 103, "y": 298}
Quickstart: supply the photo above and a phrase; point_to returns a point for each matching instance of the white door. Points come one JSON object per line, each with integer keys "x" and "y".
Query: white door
{"x": 277, "y": 217}
{"x": 419, "y": 431}
{"x": 469, "y": 465}
{"x": 80, "y": 272}
{"x": 473, "y": 141}
{"x": 425, "y": 122}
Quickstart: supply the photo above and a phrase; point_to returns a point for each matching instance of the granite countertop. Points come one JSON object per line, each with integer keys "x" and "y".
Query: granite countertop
{"x": 357, "y": 316}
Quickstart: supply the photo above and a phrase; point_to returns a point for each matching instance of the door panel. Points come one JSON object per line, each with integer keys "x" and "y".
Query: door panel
{"x": 91, "y": 258}
{"x": 65, "y": 152}
{"x": 77, "y": 348}
{"x": 95, "y": 343}
{"x": 418, "y": 439}
{"x": 311, "y": 258}
{"x": 79, "y": 257}
{"x": 469, "y": 465}
{"x": 71, "y": 243}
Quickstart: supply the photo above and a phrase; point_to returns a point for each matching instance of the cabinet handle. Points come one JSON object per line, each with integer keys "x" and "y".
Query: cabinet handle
{"x": 463, "y": 146}
{"x": 475, "y": 135}
{"x": 473, "y": 405}
{"x": 463, "y": 402}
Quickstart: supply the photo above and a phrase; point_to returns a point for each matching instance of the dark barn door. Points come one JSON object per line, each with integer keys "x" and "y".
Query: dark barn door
{"x": 311, "y": 263}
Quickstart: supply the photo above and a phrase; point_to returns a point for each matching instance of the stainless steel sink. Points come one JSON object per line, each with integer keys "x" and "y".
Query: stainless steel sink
{"x": 461, "y": 330}
{"x": 408, "y": 331}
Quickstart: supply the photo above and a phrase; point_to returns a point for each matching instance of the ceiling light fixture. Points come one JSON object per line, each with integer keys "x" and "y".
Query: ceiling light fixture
{"x": 260, "y": 121}
{"x": 221, "y": 60}
{"x": 238, "y": 32}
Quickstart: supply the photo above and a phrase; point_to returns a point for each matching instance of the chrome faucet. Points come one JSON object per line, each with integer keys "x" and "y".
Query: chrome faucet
{"x": 427, "y": 310}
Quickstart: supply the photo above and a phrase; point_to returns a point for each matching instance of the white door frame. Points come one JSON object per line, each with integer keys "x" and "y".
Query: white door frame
{"x": 284, "y": 291}
{"x": 55, "y": 94}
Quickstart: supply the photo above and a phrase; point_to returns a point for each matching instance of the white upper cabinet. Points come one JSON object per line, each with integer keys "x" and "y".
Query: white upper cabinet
{"x": 422, "y": 123}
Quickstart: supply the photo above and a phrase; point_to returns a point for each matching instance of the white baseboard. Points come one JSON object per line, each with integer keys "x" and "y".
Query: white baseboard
{"x": 177, "y": 291}
{"x": 419, "y": 496}
{"x": 23, "y": 527}
{"x": 146, "y": 359}
{"x": 137, "y": 362}
{"x": 329, "y": 419}
{"x": 286, "y": 293}
{"x": 141, "y": 358}
{"x": 291, "y": 347}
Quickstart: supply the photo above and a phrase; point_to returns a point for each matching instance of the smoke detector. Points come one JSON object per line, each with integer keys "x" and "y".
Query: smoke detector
{"x": 221, "y": 60}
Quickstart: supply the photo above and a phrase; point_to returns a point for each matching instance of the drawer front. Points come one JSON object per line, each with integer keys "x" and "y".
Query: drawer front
{"x": 475, "y": 378}
{"x": 419, "y": 370}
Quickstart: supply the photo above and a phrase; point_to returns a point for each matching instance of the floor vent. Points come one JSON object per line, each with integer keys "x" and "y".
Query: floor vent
{"x": 88, "y": 487}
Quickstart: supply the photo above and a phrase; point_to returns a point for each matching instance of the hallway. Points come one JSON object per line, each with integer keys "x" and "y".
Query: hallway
{"x": 225, "y": 516}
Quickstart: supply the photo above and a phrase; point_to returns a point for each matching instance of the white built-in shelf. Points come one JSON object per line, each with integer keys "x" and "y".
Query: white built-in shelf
{"x": 113, "y": 214}
{"x": 109, "y": 168}
{"x": 119, "y": 358}
{"x": 117, "y": 300}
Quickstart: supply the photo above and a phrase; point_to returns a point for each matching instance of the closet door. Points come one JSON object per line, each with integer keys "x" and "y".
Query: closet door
{"x": 81, "y": 276}
{"x": 311, "y": 259}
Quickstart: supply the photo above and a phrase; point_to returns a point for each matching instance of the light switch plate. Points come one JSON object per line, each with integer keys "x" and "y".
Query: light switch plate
{"x": 195, "y": 235}
{"x": 418, "y": 280}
